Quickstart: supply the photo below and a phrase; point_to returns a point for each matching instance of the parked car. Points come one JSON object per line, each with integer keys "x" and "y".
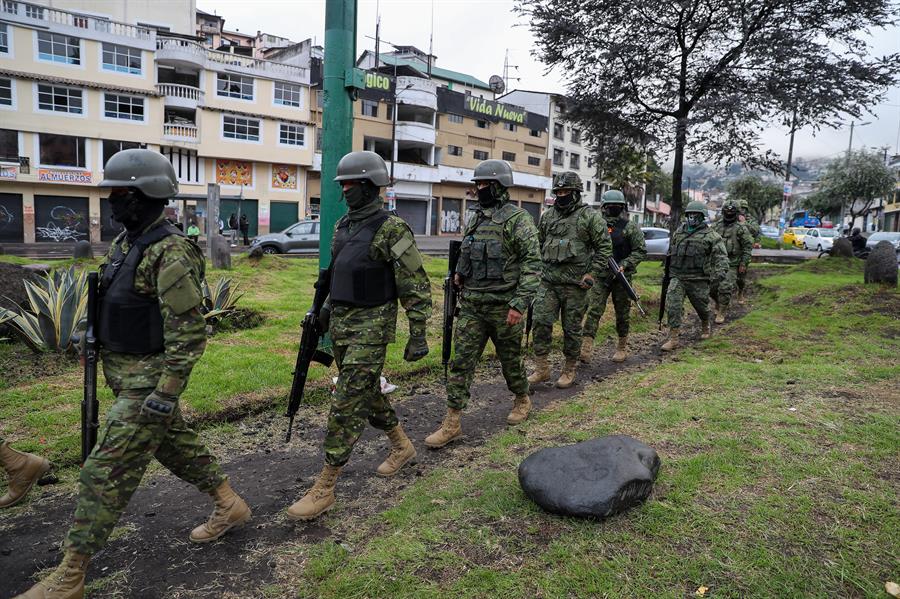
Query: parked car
{"x": 302, "y": 237}
{"x": 819, "y": 239}
{"x": 769, "y": 231}
{"x": 874, "y": 238}
{"x": 657, "y": 240}
{"x": 793, "y": 236}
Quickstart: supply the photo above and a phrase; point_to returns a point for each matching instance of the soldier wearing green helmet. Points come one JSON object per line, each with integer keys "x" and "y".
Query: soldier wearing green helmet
{"x": 151, "y": 332}
{"x": 756, "y": 232}
{"x": 629, "y": 250}
{"x": 575, "y": 247}
{"x": 696, "y": 256}
{"x": 739, "y": 245}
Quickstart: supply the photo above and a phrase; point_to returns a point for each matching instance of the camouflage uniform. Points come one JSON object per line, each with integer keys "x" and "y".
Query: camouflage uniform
{"x": 171, "y": 270}
{"x": 361, "y": 335}
{"x": 696, "y": 258}
{"x": 574, "y": 242}
{"x": 512, "y": 256}
{"x": 755, "y": 233}
{"x": 739, "y": 245}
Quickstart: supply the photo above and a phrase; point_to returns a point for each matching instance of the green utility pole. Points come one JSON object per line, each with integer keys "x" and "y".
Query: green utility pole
{"x": 337, "y": 117}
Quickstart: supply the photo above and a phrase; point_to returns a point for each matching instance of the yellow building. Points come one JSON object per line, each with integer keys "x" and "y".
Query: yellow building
{"x": 76, "y": 86}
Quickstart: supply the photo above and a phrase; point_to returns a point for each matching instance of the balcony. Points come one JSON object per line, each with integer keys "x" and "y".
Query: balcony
{"x": 73, "y": 23}
{"x": 184, "y": 51}
{"x": 417, "y": 132}
{"x": 404, "y": 171}
{"x": 420, "y": 92}
{"x": 183, "y": 96}
{"x": 180, "y": 132}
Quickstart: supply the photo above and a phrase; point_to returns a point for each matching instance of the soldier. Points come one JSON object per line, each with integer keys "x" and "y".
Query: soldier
{"x": 756, "y": 232}
{"x": 498, "y": 272}
{"x": 375, "y": 262}
{"x": 739, "y": 245}
{"x": 22, "y": 471}
{"x": 151, "y": 332}
{"x": 629, "y": 250}
{"x": 574, "y": 243}
{"x": 697, "y": 256}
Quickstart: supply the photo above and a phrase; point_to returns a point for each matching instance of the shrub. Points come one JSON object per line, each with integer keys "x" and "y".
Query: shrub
{"x": 221, "y": 299}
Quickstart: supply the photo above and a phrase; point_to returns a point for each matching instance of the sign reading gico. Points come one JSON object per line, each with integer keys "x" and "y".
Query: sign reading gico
{"x": 378, "y": 87}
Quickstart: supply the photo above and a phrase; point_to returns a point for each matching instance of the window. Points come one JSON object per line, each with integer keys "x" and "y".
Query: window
{"x": 57, "y": 98}
{"x": 558, "y": 131}
{"x": 576, "y": 135}
{"x": 234, "y": 86}
{"x": 188, "y": 165}
{"x": 235, "y": 127}
{"x": 534, "y": 161}
{"x": 9, "y": 145}
{"x": 454, "y": 150}
{"x": 509, "y": 156}
{"x": 455, "y": 118}
{"x": 287, "y": 94}
{"x": 58, "y": 48}
{"x": 111, "y": 146}
{"x": 557, "y": 157}
{"x": 318, "y": 139}
{"x": 121, "y": 59}
{"x": 10, "y": 6}
{"x": 574, "y": 160}
{"x": 120, "y": 106}
{"x": 509, "y": 126}
{"x": 481, "y": 124}
{"x": 62, "y": 150}
{"x": 320, "y": 98}
{"x": 369, "y": 108}
{"x": 4, "y": 39}
{"x": 291, "y": 135}
{"x": 480, "y": 155}
{"x": 587, "y": 185}
{"x": 34, "y": 12}
{"x": 534, "y": 132}
{"x": 6, "y": 98}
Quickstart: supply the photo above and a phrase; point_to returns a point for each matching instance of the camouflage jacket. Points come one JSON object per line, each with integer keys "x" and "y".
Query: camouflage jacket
{"x": 393, "y": 243}
{"x": 635, "y": 239}
{"x": 753, "y": 227}
{"x": 738, "y": 242}
{"x": 573, "y": 243}
{"x": 699, "y": 255}
{"x": 502, "y": 244}
{"x": 184, "y": 333}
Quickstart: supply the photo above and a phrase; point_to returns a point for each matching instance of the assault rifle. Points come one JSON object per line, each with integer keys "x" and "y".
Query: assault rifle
{"x": 529, "y": 321}
{"x": 309, "y": 348}
{"x": 451, "y": 294}
{"x": 90, "y": 407}
{"x": 664, "y": 291}
{"x": 620, "y": 276}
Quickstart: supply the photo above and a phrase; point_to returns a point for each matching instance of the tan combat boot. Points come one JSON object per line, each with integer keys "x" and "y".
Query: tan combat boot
{"x": 621, "y": 350}
{"x": 230, "y": 511}
{"x": 66, "y": 582}
{"x": 705, "y": 329}
{"x": 402, "y": 451}
{"x": 521, "y": 407}
{"x": 449, "y": 430}
{"x": 672, "y": 341}
{"x": 23, "y": 470}
{"x": 319, "y": 499}
{"x": 741, "y": 298}
{"x": 720, "y": 314}
{"x": 567, "y": 376}
{"x": 541, "y": 370}
{"x": 587, "y": 349}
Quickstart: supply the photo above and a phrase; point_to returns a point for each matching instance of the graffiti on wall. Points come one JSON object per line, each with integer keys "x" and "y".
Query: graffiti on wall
{"x": 450, "y": 221}
{"x": 63, "y": 225}
{"x": 234, "y": 172}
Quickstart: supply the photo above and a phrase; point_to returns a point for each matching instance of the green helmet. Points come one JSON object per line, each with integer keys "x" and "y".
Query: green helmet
{"x": 743, "y": 205}
{"x": 363, "y": 166}
{"x": 494, "y": 170}
{"x": 147, "y": 171}
{"x": 729, "y": 205}
{"x": 612, "y": 196}
{"x": 568, "y": 180}
{"x": 696, "y": 206}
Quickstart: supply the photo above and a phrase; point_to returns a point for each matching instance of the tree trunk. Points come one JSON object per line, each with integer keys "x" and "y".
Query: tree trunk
{"x": 678, "y": 172}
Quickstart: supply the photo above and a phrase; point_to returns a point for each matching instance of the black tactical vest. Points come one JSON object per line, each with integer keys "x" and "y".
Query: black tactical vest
{"x": 356, "y": 279}
{"x": 621, "y": 244}
{"x": 130, "y": 322}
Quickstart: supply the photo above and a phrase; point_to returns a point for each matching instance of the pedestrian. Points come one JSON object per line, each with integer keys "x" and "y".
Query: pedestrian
{"x": 575, "y": 247}
{"x": 697, "y": 255}
{"x": 747, "y": 219}
{"x": 233, "y": 229}
{"x": 193, "y": 232}
{"x": 739, "y": 245}
{"x": 498, "y": 274}
{"x": 245, "y": 228}
{"x": 151, "y": 333}
{"x": 22, "y": 471}
{"x": 629, "y": 250}
{"x": 375, "y": 262}
{"x": 858, "y": 240}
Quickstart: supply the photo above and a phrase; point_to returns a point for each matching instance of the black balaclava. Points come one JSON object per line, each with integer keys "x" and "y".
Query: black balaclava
{"x": 729, "y": 215}
{"x": 359, "y": 196}
{"x": 612, "y": 211}
{"x": 135, "y": 210}
{"x": 489, "y": 196}
{"x": 564, "y": 202}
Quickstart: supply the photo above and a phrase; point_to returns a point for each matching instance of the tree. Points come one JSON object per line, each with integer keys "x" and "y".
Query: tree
{"x": 658, "y": 181}
{"x": 700, "y": 76}
{"x": 625, "y": 169}
{"x": 856, "y": 181}
{"x": 760, "y": 195}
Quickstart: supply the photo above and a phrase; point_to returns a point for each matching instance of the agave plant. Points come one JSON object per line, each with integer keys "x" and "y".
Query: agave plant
{"x": 221, "y": 299}
{"x": 57, "y": 305}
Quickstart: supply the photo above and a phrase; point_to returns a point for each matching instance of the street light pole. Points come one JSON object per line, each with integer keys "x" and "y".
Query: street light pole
{"x": 786, "y": 201}
{"x": 394, "y": 121}
{"x": 849, "y": 152}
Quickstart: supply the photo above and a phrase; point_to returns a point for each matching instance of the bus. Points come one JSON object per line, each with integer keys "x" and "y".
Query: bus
{"x": 804, "y": 218}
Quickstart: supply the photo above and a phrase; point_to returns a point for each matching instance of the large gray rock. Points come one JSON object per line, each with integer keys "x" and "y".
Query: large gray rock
{"x": 843, "y": 247}
{"x": 592, "y": 479}
{"x": 220, "y": 252}
{"x": 881, "y": 265}
{"x": 83, "y": 249}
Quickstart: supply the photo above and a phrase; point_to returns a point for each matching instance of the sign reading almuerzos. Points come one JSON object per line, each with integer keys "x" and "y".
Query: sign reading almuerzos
{"x": 489, "y": 110}
{"x": 64, "y": 176}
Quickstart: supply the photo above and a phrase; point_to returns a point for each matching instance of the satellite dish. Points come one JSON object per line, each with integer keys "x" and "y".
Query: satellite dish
{"x": 496, "y": 83}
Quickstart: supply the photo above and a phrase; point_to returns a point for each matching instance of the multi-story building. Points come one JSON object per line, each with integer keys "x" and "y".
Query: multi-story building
{"x": 76, "y": 86}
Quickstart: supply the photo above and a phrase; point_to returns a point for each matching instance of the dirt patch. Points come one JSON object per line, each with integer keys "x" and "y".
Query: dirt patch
{"x": 20, "y": 365}
{"x": 238, "y": 319}
{"x": 12, "y": 277}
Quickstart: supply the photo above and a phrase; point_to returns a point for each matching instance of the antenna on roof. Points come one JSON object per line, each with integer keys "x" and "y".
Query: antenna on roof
{"x": 377, "y": 35}
{"x": 506, "y": 68}
{"x": 431, "y": 40}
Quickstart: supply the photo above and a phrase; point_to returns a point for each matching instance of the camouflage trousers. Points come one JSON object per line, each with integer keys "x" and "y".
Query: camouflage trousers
{"x": 597, "y": 298}
{"x": 721, "y": 292}
{"x": 742, "y": 280}
{"x": 127, "y": 442}
{"x": 357, "y": 399}
{"x": 567, "y": 302}
{"x": 476, "y": 324}
{"x": 697, "y": 291}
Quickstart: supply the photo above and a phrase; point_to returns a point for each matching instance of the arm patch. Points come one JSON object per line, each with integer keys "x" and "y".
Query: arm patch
{"x": 406, "y": 252}
{"x": 177, "y": 288}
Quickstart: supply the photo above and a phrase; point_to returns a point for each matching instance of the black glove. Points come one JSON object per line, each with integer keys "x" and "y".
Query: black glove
{"x": 159, "y": 406}
{"x": 417, "y": 346}
{"x": 324, "y": 320}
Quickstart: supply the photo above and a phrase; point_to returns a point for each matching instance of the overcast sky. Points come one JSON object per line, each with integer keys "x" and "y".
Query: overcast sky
{"x": 473, "y": 36}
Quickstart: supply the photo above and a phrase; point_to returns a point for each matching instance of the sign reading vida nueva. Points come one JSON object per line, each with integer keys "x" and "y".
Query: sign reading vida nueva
{"x": 495, "y": 110}
{"x": 52, "y": 175}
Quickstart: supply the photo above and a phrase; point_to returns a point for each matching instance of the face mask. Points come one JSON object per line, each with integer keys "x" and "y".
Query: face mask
{"x": 563, "y": 201}
{"x": 132, "y": 210}
{"x": 612, "y": 211}
{"x": 356, "y": 196}
{"x": 729, "y": 216}
{"x": 693, "y": 220}
{"x": 486, "y": 197}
